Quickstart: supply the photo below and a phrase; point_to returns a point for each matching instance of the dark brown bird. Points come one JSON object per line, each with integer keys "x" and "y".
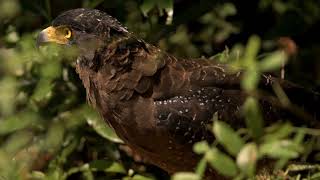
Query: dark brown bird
{"x": 158, "y": 104}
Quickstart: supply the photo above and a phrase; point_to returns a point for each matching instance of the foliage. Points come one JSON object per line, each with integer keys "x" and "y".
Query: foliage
{"x": 244, "y": 150}
{"x": 48, "y": 132}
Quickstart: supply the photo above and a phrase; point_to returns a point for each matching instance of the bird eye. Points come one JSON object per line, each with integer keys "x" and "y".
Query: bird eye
{"x": 67, "y": 33}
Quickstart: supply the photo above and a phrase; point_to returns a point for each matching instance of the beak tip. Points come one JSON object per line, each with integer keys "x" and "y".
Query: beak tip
{"x": 41, "y": 39}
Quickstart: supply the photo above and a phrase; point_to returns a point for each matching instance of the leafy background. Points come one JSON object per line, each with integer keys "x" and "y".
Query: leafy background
{"x": 48, "y": 132}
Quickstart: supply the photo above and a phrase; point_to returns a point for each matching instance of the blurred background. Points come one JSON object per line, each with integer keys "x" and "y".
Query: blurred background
{"x": 46, "y": 129}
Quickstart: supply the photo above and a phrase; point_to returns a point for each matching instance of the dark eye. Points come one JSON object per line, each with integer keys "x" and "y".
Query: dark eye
{"x": 67, "y": 33}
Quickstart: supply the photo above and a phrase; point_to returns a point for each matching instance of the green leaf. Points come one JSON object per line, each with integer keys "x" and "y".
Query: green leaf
{"x": 18, "y": 121}
{"x": 185, "y": 176}
{"x": 88, "y": 175}
{"x": 281, "y": 94}
{"x": 9, "y": 9}
{"x": 252, "y": 50}
{"x": 147, "y": 6}
{"x": 253, "y": 117}
{"x": 8, "y": 167}
{"x": 283, "y": 131}
{"x": 107, "y": 166}
{"x": 167, "y": 5}
{"x": 280, "y": 164}
{"x": 302, "y": 167}
{"x": 69, "y": 146}
{"x": 141, "y": 177}
{"x": 247, "y": 159}
{"x": 43, "y": 92}
{"x": 226, "y": 136}
{"x": 250, "y": 79}
{"x": 228, "y": 9}
{"x": 251, "y": 76}
{"x": 273, "y": 62}
{"x": 201, "y": 147}
{"x": 51, "y": 70}
{"x": 280, "y": 149}
{"x": 84, "y": 169}
{"x": 221, "y": 162}
{"x": 51, "y": 52}
{"x": 55, "y": 136}
{"x": 37, "y": 175}
{"x": 201, "y": 167}
{"x": 75, "y": 117}
{"x": 17, "y": 141}
{"x": 100, "y": 126}
{"x": 8, "y": 93}
{"x": 315, "y": 176}
{"x": 298, "y": 138}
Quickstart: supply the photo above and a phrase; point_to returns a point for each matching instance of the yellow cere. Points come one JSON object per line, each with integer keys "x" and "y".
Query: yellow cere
{"x": 60, "y": 34}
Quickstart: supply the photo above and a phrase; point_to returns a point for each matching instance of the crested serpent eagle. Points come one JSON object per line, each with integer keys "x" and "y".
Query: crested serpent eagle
{"x": 158, "y": 104}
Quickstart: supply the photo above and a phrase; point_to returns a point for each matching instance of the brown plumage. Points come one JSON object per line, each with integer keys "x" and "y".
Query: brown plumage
{"x": 158, "y": 104}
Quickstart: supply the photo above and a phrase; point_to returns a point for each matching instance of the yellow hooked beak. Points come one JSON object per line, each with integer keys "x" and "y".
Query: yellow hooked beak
{"x": 59, "y": 35}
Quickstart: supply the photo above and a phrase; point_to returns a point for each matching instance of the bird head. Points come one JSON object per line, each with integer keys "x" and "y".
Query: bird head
{"x": 86, "y": 29}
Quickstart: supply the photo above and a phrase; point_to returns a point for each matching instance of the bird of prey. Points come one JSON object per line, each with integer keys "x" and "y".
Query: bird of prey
{"x": 160, "y": 105}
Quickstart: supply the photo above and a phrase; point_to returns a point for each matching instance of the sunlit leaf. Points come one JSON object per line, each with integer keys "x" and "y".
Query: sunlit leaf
{"x": 247, "y": 158}
{"x": 141, "y": 177}
{"x": 280, "y": 149}
{"x": 252, "y": 50}
{"x": 250, "y": 79}
{"x": 51, "y": 52}
{"x": 226, "y": 136}
{"x": 12, "y": 37}
{"x": 201, "y": 147}
{"x": 185, "y": 176}
{"x": 201, "y": 167}
{"x": 107, "y": 166}
{"x": 37, "y": 175}
{"x": 8, "y": 59}
{"x": 273, "y": 62}
{"x": 84, "y": 169}
{"x": 221, "y": 162}
{"x": 101, "y": 127}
